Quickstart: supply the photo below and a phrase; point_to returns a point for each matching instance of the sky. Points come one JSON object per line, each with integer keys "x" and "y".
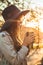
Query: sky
{"x": 38, "y": 3}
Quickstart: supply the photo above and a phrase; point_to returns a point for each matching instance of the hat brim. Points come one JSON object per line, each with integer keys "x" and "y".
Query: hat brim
{"x": 22, "y": 13}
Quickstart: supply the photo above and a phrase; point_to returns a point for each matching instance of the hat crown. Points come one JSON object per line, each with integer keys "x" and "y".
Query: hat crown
{"x": 10, "y": 12}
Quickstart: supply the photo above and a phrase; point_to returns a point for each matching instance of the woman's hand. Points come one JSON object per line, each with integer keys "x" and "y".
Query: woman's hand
{"x": 28, "y": 39}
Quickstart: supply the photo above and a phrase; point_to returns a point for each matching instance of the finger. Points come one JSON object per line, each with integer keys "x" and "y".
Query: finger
{"x": 31, "y": 33}
{"x": 27, "y": 33}
{"x": 32, "y": 41}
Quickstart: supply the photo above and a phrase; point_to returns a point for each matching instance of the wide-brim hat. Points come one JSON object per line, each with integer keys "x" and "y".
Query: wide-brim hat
{"x": 13, "y": 12}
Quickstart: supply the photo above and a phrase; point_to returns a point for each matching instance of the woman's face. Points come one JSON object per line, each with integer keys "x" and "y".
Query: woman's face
{"x": 27, "y": 25}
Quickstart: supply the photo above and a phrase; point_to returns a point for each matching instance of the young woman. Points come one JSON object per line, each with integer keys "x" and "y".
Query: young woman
{"x": 13, "y": 49}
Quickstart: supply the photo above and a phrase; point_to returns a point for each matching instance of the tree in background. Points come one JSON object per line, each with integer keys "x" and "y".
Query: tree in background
{"x": 22, "y": 4}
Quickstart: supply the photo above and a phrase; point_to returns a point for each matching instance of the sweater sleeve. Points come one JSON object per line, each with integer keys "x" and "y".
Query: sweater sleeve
{"x": 8, "y": 51}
